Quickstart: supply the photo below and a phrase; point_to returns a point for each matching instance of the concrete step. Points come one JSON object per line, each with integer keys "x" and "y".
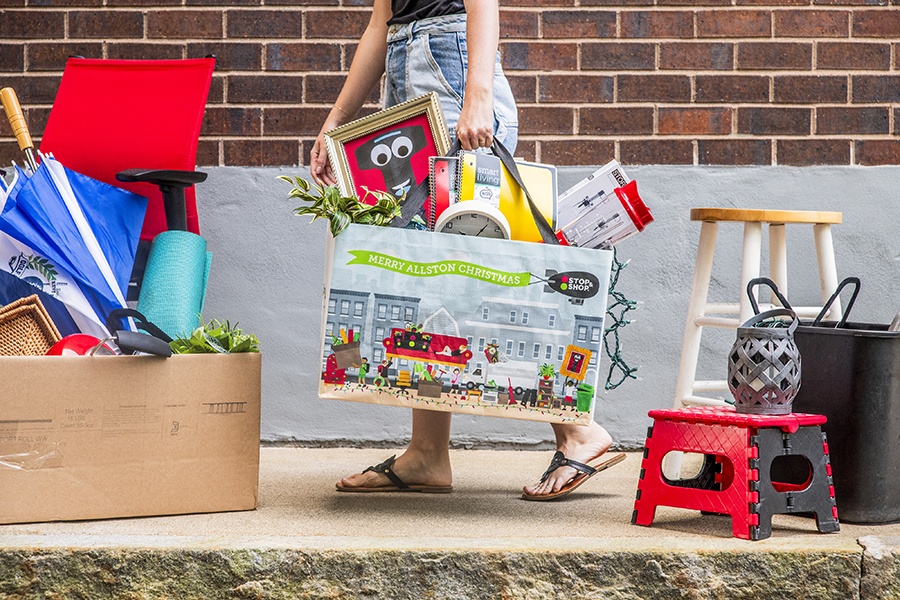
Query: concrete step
{"x": 482, "y": 541}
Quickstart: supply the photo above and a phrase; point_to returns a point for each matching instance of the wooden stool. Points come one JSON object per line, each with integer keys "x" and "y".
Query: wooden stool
{"x": 686, "y": 387}
{"x": 738, "y": 477}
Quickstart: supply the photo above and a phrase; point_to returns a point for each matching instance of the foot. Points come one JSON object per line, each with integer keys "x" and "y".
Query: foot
{"x": 412, "y": 467}
{"x": 583, "y": 444}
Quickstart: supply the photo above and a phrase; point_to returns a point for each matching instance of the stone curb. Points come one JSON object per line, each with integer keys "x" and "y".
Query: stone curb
{"x": 186, "y": 567}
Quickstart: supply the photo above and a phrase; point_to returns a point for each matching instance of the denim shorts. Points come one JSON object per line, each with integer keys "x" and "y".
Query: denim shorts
{"x": 431, "y": 55}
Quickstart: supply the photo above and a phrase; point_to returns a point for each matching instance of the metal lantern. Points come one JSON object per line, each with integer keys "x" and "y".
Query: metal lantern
{"x": 764, "y": 364}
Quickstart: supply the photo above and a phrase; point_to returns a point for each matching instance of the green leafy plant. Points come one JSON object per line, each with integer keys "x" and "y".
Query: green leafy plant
{"x": 216, "y": 337}
{"x": 327, "y": 202}
{"x": 547, "y": 370}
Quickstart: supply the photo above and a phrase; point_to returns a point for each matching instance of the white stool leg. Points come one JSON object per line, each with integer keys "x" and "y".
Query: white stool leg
{"x": 690, "y": 347}
{"x": 778, "y": 259}
{"x": 827, "y": 268}
{"x": 749, "y": 265}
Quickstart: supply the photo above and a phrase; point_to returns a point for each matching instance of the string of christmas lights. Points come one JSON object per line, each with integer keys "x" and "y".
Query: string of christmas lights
{"x": 617, "y": 307}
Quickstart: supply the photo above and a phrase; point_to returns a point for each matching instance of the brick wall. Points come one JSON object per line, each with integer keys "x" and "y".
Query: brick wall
{"x": 708, "y": 82}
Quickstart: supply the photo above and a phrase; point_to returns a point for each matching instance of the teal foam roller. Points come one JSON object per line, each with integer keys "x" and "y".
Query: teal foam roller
{"x": 174, "y": 285}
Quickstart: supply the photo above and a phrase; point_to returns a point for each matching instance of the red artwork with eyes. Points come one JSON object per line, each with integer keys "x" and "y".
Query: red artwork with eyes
{"x": 392, "y": 159}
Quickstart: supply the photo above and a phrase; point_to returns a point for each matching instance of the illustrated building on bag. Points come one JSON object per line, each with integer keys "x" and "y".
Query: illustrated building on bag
{"x": 589, "y": 334}
{"x": 528, "y": 331}
{"x": 347, "y": 309}
{"x": 391, "y": 311}
{"x": 441, "y": 321}
{"x": 533, "y": 331}
{"x": 373, "y": 316}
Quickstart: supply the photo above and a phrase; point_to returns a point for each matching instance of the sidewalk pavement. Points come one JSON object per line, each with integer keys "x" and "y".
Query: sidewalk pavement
{"x": 486, "y": 540}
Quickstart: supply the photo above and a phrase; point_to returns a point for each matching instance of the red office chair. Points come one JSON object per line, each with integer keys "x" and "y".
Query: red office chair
{"x": 135, "y": 124}
{"x": 113, "y": 115}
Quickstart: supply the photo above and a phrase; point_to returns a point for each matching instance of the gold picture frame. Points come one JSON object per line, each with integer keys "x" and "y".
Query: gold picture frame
{"x": 388, "y": 151}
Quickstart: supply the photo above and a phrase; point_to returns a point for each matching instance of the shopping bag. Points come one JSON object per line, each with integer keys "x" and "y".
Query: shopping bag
{"x": 463, "y": 324}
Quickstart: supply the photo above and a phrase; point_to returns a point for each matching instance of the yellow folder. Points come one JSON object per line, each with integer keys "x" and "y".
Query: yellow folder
{"x": 477, "y": 177}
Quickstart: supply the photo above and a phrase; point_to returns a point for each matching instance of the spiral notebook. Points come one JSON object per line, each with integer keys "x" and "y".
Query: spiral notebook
{"x": 443, "y": 187}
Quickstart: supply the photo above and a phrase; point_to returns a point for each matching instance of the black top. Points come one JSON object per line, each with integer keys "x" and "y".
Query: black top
{"x": 407, "y": 11}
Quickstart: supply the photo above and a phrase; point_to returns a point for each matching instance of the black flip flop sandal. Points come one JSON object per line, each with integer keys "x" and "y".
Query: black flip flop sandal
{"x": 585, "y": 473}
{"x": 386, "y": 468}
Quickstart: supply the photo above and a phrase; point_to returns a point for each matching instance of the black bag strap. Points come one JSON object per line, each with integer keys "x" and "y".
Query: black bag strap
{"x": 133, "y": 341}
{"x": 547, "y": 234}
{"x": 414, "y": 202}
{"x": 415, "y": 199}
{"x": 837, "y": 292}
{"x": 771, "y": 285}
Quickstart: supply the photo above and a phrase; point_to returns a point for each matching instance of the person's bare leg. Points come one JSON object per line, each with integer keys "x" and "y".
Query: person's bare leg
{"x": 426, "y": 460}
{"x": 581, "y": 443}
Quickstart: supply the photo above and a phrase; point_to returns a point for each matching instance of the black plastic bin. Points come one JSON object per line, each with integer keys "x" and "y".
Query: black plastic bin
{"x": 850, "y": 372}
{"x": 851, "y": 375}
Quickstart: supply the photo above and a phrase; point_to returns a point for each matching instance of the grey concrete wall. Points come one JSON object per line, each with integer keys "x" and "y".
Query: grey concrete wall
{"x": 268, "y": 267}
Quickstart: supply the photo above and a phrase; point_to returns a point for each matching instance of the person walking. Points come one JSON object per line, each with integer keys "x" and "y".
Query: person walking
{"x": 449, "y": 47}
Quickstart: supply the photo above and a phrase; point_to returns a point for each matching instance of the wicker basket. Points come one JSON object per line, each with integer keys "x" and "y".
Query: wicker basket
{"x": 26, "y": 329}
{"x": 764, "y": 365}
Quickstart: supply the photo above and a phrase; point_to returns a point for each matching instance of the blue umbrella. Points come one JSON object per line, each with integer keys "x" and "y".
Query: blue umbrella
{"x": 24, "y": 272}
{"x": 81, "y": 226}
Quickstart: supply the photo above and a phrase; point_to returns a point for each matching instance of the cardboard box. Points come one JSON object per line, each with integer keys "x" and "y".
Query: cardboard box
{"x": 582, "y": 198}
{"x": 602, "y": 210}
{"x": 122, "y": 436}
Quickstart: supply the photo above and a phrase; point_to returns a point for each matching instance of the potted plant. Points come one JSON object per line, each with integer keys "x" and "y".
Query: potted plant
{"x": 215, "y": 337}
{"x": 547, "y": 371}
{"x": 545, "y": 383}
{"x": 327, "y": 202}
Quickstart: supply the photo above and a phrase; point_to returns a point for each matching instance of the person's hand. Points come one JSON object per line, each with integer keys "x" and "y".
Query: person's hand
{"x": 319, "y": 166}
{"x": 475, "y": 128}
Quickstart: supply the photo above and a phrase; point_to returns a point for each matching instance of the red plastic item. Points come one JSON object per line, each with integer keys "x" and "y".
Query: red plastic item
{"x": 634, "y": 205}
{"x": 79, "y": 344}
{"x": 739, "y": 450}
{"x": 112, "y": 115}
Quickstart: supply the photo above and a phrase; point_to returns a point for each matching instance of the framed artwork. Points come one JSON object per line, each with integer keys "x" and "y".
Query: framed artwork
{"x": 575, "y": 363}
{"x": 388, "y": 151}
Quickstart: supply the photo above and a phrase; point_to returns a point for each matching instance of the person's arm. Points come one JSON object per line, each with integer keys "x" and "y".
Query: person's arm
{"x": 475, "y": 128}
{"x": 365, "y": 73}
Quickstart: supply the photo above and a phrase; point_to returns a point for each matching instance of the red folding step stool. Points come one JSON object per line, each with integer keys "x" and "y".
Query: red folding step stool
{"x": 736, "y": 477}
